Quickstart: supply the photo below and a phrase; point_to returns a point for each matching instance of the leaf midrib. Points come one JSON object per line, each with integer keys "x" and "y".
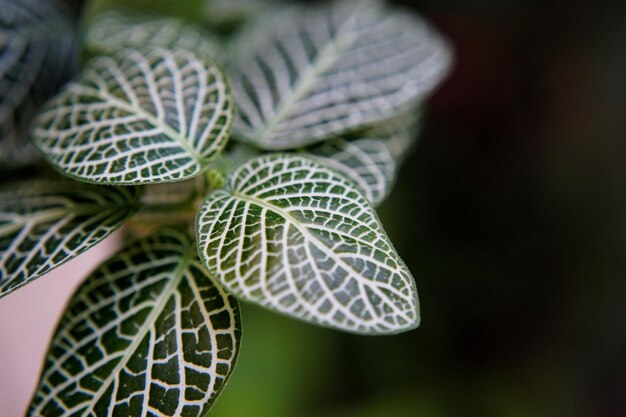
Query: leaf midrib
{"x": 320, "y": 244}
{"x": 186, "y": 257}
{"x": 324, "y": 60}
{"x": 165, "y": 128}
{"x": 286, "y": 215}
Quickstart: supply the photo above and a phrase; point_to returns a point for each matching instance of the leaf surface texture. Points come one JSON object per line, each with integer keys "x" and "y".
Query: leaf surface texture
{"x": 293, "y": 235}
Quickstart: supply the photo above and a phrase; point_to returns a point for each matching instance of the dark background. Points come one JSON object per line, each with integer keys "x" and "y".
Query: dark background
{"x": 511, "y": 214}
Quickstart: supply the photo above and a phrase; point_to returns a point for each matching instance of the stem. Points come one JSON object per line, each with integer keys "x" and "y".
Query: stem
{"x": 217, "y": 173}
{"x": 216, "y": 179}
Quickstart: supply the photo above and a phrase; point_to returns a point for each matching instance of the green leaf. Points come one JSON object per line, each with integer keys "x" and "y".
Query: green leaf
{"x": 37, "y": 55}
{"x": 147, "y": 334}
{"x": 399, "y": 133}
{"x": 293, "y": 235}
{"x": 142, "y": 116}
{"x": 113, "y": 30}
{"x": 371, "y": 158}
{"x": 43, "y": 224}
{"x": 367, "y": 162}
{"x": 308, "y": 74}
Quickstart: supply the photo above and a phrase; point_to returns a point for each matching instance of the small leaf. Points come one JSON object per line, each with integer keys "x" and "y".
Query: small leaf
{"x": 147, "y": 334}
{"x": 44, "y": 224}
{"x": 308, "y": 74}
{"x": 367, "y": 162}
{"x": 399, "y": 133}
{"x": 291, "y": 234}
{"x": 114, "y": 30}
{"x": 37, "y": 55}
{"x": 371, "y": 158}
{"x": 142, "y": 116}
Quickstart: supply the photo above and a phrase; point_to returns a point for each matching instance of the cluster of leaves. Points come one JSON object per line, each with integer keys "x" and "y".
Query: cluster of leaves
{"x": 257, "y": 182}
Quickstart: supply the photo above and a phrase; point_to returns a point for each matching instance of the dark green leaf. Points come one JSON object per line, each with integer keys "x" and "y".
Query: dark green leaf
{"x": 147, "y": 334}
{"x": 43, "y": 224}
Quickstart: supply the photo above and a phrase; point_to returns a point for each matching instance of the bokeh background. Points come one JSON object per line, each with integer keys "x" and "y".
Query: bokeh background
{"x": 511, "y": 214}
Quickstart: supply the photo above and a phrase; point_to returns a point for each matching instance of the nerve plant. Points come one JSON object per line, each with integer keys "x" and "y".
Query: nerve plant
{"x": 250, "y": 165}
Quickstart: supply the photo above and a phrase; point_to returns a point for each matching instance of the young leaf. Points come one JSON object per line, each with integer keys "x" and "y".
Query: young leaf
{"x": 147, "y": 334}
{"x": 37, "y": 55}
{"x": 43, "y": 224}
{"x": 368, "y": 162}
{"x": 311, "y": 73}
{"x": 291, "y": 234}
{"x": 142, "y": 116}
{"x": 113, "y": 30}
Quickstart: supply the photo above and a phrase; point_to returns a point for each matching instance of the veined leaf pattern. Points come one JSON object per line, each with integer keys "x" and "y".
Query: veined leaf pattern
{"x": 399, "y": 133}
{"x": 371, "y": 158}
{"x": 311, "y": 73}
{"x": 141, "y": 116}
{"x": 43, "y": 224}
{"x": 367, "y": 162}
{"x": 293, "y": 235}
{"x": 114, "y": 30}
{"x": 37, "y": 54}
{"x": 147, "y": 334}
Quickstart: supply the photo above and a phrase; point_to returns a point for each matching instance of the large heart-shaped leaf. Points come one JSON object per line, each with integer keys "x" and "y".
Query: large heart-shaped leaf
{"x": 310, "y": 73}
{"x": 142, "y": 116}
{"x": 292, "y": 234}
{"x": 147, "y": 334}
{"x": 114, "y": 30}
{"x": 43, "y": 224}
{"x": 37, "y": 55}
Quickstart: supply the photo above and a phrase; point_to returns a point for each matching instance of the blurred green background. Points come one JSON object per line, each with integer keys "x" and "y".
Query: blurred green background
{"x": 511, "y": 214}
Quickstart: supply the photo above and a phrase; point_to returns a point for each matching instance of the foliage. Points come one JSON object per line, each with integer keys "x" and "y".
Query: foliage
{"x": 146, "y": 129}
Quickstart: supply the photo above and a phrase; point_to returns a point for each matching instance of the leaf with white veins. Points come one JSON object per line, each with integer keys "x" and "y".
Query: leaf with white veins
{"x": 37, "y": 55}
{"x": 368, "y": 162}
{"x": 139, "y": 117}
{"x": 114, "y": 30}
{"x": 44, "y": 224}
{"x": 293, "y": 235}
{"x": 147, "y": 334}
{"x": 399, "y": 133}
{"x": 308, "y": 74}
{"x": 371, "y": 158}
